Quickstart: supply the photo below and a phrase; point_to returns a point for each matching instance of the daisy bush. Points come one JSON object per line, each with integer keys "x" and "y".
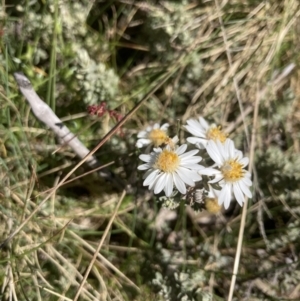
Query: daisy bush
{"x": 178, "y": 172}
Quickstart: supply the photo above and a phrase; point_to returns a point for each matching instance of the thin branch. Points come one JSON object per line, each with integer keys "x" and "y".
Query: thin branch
{"x": 45, "y": 114}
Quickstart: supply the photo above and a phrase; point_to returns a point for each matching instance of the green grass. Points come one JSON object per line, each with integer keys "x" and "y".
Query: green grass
{"x": 77, "y": 54}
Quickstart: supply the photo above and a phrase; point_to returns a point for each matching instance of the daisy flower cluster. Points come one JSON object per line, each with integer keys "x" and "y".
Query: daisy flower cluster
{"x": 174, "y": 170}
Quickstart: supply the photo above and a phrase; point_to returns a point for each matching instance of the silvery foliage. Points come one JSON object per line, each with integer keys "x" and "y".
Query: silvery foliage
{"x": 98, "y": 83}
{"x": 183, "y": 286}
{"x": 77, "y": 48}
{"x": 172, "y": 284}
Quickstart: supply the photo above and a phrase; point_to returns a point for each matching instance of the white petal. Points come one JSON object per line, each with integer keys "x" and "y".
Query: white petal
{"x": 247, "y": 181}
{"x": 239, "y": 196}
{"x": 195, "y": 176}
{"x": 196, "y": 131}
{"x": 214, "y": 152}
{"x": 175, "y": 139}
{"x": 151, "y": 177}
{"x": 142, "y": 142}
{"x": 185, "y": 175}
{"x": 244, "y": 161}
{"x": 144, "y": 166}
{"x": 193, "y": 123}
{"x": 248, "y": 174}
{"x": 221, "y": 150}
{"x": 196, "y": 125}
{"x": 181, "y": 149}
{"x": 194, "y": 140}
{"x": 225, "y": 196}
{"x": 164, "y": 127}
{"x": 147, "y": 173}
{"x": 199, "y": 167}
{"x": 139, "y": 145}
{"x": 152, "y": 185}
{"x": 190, "y": 160}
{"x": 229, "y": 148}
{"x": 169, "y": 185}
{"x": 189, "y": 154}
{"x": 192, "y": 175}
{"x": 209, "y": 171}
{"x": 238, "y": 155}
{"x": 203, "y": 123}
{"x": 179, "y": 183}
{"x": 201, "y": 145}
{"x": 145, "y": 158}
{"x": 245, "y": 189}
{"x": 142, "y": 134}
{"x": 160, "y": 183}
{"x": 192, "y": 166}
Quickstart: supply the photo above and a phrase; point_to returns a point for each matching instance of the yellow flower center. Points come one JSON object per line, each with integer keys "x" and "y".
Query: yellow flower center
{"x": 212, "y": 206}
{"x": 167, "y": 161}
{"x": 215, "y": 133}
{"x": 232, "y": 171}
{"x": 158, "y": 137}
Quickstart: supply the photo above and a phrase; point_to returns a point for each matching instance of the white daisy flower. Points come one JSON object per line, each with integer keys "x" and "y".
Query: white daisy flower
{"x": 203, "y": 132}
{"x": 167, "y": 167}
{"x": 231, "y": 175}
{"x": 155, "y": 135}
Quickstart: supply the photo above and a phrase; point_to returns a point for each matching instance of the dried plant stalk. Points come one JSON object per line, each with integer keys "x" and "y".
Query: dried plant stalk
{"x": 45, "y": 114}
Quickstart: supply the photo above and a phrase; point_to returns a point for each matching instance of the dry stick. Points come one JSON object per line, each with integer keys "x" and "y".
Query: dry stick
{"x": 90, "y": 154}
{"x": 245, "y": 205}
{"x": 99, "y": 247}
{"x": 277, "y": 84}
{"x": 287, "y": 70}
{"x": 45, "y": 114}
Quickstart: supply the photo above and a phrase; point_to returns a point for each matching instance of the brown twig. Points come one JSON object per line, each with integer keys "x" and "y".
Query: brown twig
{"x": 45, "y": 114}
